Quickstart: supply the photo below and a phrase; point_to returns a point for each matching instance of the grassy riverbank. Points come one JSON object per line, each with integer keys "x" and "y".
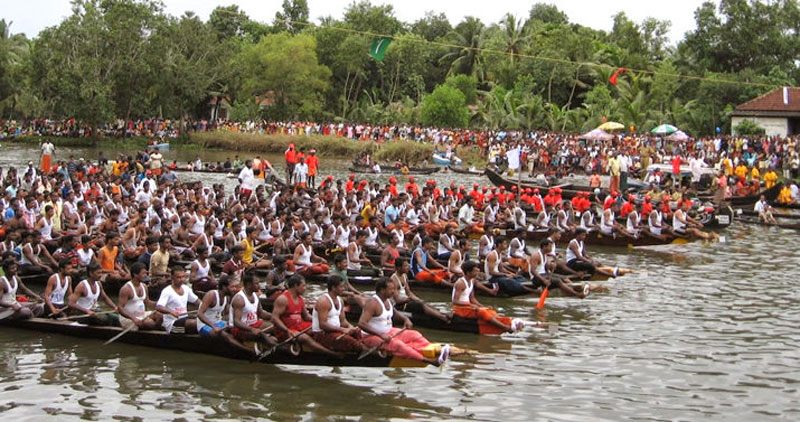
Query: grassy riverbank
{"x": 327, "y": 146}
{"x": 133, "y": 143}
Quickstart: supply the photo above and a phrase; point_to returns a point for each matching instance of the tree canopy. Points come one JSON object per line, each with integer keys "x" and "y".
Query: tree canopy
{"x": 129, "y": 59}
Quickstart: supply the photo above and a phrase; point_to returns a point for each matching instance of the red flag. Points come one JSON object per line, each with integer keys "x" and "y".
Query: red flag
{"x": 613, "y": 78}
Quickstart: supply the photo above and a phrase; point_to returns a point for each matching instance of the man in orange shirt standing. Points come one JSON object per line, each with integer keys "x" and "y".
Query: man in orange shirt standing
{"x": 291, "y": 159}
{"x": 313, "y": 163}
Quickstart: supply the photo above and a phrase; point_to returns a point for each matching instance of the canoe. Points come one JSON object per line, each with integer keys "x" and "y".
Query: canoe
{"x": 211, "y": 346}
{"x": 499, "y": 180}
{"x": 388, "y": 168}
{"x": 757, "y": 221}
{"x": 163, "y": 145}
{"x": 466, "y": 171}
{"x": 213, "y": 171}
{"x": 418, "y": 171}
{"x": 442, "y": 160}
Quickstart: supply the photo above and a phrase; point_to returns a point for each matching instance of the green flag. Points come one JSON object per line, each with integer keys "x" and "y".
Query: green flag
{"x": 378, "y": 48}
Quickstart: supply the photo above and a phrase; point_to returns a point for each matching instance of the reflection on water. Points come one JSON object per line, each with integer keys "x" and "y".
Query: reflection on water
{"x": 699, "y": 332}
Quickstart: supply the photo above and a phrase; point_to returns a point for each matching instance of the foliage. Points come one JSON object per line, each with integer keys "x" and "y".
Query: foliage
{"x": 325, "y": 145}
{"x": 129, "y": 59}
{"x": 749, "y": 128}
{"x": 445, "y": 107}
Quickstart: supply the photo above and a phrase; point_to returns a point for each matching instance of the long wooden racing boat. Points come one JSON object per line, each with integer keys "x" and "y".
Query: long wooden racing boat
{"x": 414, "y": 172}
{"x": 205, "y": 345}
{"x": 466, "y": 171}
{"x": 498, "y": 180}
{"x": 213, "y": 170}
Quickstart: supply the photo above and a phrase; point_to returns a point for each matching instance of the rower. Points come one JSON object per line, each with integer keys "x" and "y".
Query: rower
{"x": 376, "y": 324}
{"x": 200, "y": 274}
{"x": 404, "y": 299}
{"x": 352, "y": 295}
{"x": 249, "y": 245}
{"x": 235, "y": 267}
{"x": 329, "y": 327}
{"x": 502, "y": 275}
{"x": 305, "y": 260}
{"x": 210, "y": 321}
{"x": 633, "y": 220}
{"x": 83, "y": 300}
{"x": 447, "y": 243}
{"x": 764, "y": 210}
{"x": 356, "y": 257}
{"x": 134, "y": 301}
{"x": 246, "y": 317}
{"x": 517, "y": 252}
{"x": 466, "y": 306}
{"x": 608, "y": 223}
{"x": 563, "y": 217}
{"x": 682, "y": 224}
{"x": 420, "y": 269}
{"x": 173, "y": 304}
{"x": 542, "y": 275}
{"x": 466, "y": 218}
{"x": 578, "y": 260}
{"x": 112, "y": 269}
{"x": 389, "y": 255}
{"x": 59, "y": 289}
{"x": 543, "y": 219}
{"x": 9, "y": 285}
{"x": 486, "y": 244}
{"x": 291, "y": 318}
{"x": 587, "y": 220}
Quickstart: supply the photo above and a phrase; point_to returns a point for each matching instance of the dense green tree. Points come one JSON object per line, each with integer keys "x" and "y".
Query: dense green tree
{"x": 228, "y": 21}
{"x": 432, "y": 26}
{"x": 293, "y": 16}
{"x": 283, "y": 70}
{"x": 445, "y": 107}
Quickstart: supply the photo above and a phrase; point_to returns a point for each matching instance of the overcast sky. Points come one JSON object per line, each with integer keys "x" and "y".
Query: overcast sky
{"x": 31, "y": 16}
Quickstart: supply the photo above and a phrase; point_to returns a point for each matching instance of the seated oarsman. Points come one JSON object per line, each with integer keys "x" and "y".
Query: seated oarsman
{"x": 517, "y": 252}
{"x": 404, "y": 298}
{"x": 352, "y": 295}
{"x": 587, "y": 220}
{"x": 490, "y": 214}
{"x": 251, "y": 256}
{"x": 59, "y": 289}
{"x": 447, "y": 243}
{"x": 329, "y": 327}
{"x": 134, "y": 301}
{"x": 200, "y": 274}
{"x": 357, "y": 259}
{"x": 543, "y": 219}
{"x": 83, "y": 300}
{"x": 503, "y": 276}
{"x": 159, "y": 262}
{"x": 466, "y": 306}
{"x": 373, "y": 242}
{"x": 542, "y": 272}
{"x": 518, "y": 216}
{"x": 656, "y": 225}
{"x": 389, "y": 255}
{"x": 10, "y": 284}
{"x": 466, "y": 218}
{"x": 564, "y": 217}
{"x": 234, "y": 236}
{"x": 457, "y": 258}
{"x": 133, "y": 241}
{"x": 151, "y": 246}
{"x": 34, "y": 255}
{"x": 376, "y": 324}
{"x": 486, "y": 243}
{"x": 764, "y": 210}
{"x": 424, "y": 266}
{"x": 305, "y": 260}
{"x": 291, "y": 318}
{"x": 173, "y": 304}
{"x": 634, "y": 219}
{"x": 249, "y": 319}
{"x": 235, "y": 266}
{"x": 113, "y": 269}
{"x": 683, "y": 225}
{"x": 46, "y": 226}
{"x": 579, "y": 260}
{"x": 554, "y": 257}
{"x": 213, "y": 312}
{"x": 608, "y": 222}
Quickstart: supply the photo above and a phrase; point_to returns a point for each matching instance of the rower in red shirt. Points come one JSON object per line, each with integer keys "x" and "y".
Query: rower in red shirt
{"x": 627, "y": 207}
{"x": 537, "y": 201}
{"x": 350, "y": 183}
{"x": 647, "y": 206}
{"x": 412, "y": 187}
{"x": 291, "y": 318}
{"x": 610, "y": 199}
{"x": 393, "y": 187}
{"x": 501, "y": 196}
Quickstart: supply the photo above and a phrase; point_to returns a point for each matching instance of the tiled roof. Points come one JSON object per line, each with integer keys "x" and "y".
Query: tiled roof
{"x": 773, "y": 101}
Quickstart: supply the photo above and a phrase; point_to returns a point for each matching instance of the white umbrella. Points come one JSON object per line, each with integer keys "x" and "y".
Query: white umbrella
{"x": 597, "y": 135}
{"x": 678, "y": 136}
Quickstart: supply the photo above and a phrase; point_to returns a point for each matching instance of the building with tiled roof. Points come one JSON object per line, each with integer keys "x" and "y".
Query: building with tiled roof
{"x": 777, "y": 111}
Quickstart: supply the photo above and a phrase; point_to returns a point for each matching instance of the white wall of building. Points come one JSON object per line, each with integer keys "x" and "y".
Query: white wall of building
{"x": 775, "y": 126}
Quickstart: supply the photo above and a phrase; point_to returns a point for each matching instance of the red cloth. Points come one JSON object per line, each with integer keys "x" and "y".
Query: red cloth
{"x": 291, "y": 156}
{"x": 613, "y": 78}
{"x": 292, "y": 317}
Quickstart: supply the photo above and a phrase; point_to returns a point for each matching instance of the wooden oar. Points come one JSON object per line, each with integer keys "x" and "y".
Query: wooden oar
{"x": 275, "y": 347}
{"x": 131, "y": 327}
{"x": 372, "y": 350}
{"x": 84, "y": 315}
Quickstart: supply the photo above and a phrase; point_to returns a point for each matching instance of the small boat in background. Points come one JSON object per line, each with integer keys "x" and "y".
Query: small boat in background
{"x": 443, "y": 160}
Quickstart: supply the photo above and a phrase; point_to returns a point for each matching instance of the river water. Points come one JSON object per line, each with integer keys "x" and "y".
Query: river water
{"x": 700, "y": 332}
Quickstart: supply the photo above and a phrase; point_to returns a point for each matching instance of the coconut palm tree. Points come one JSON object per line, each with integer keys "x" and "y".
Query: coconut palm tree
{"x": 513, "y": 35}
{"x": 468, "y": 36}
